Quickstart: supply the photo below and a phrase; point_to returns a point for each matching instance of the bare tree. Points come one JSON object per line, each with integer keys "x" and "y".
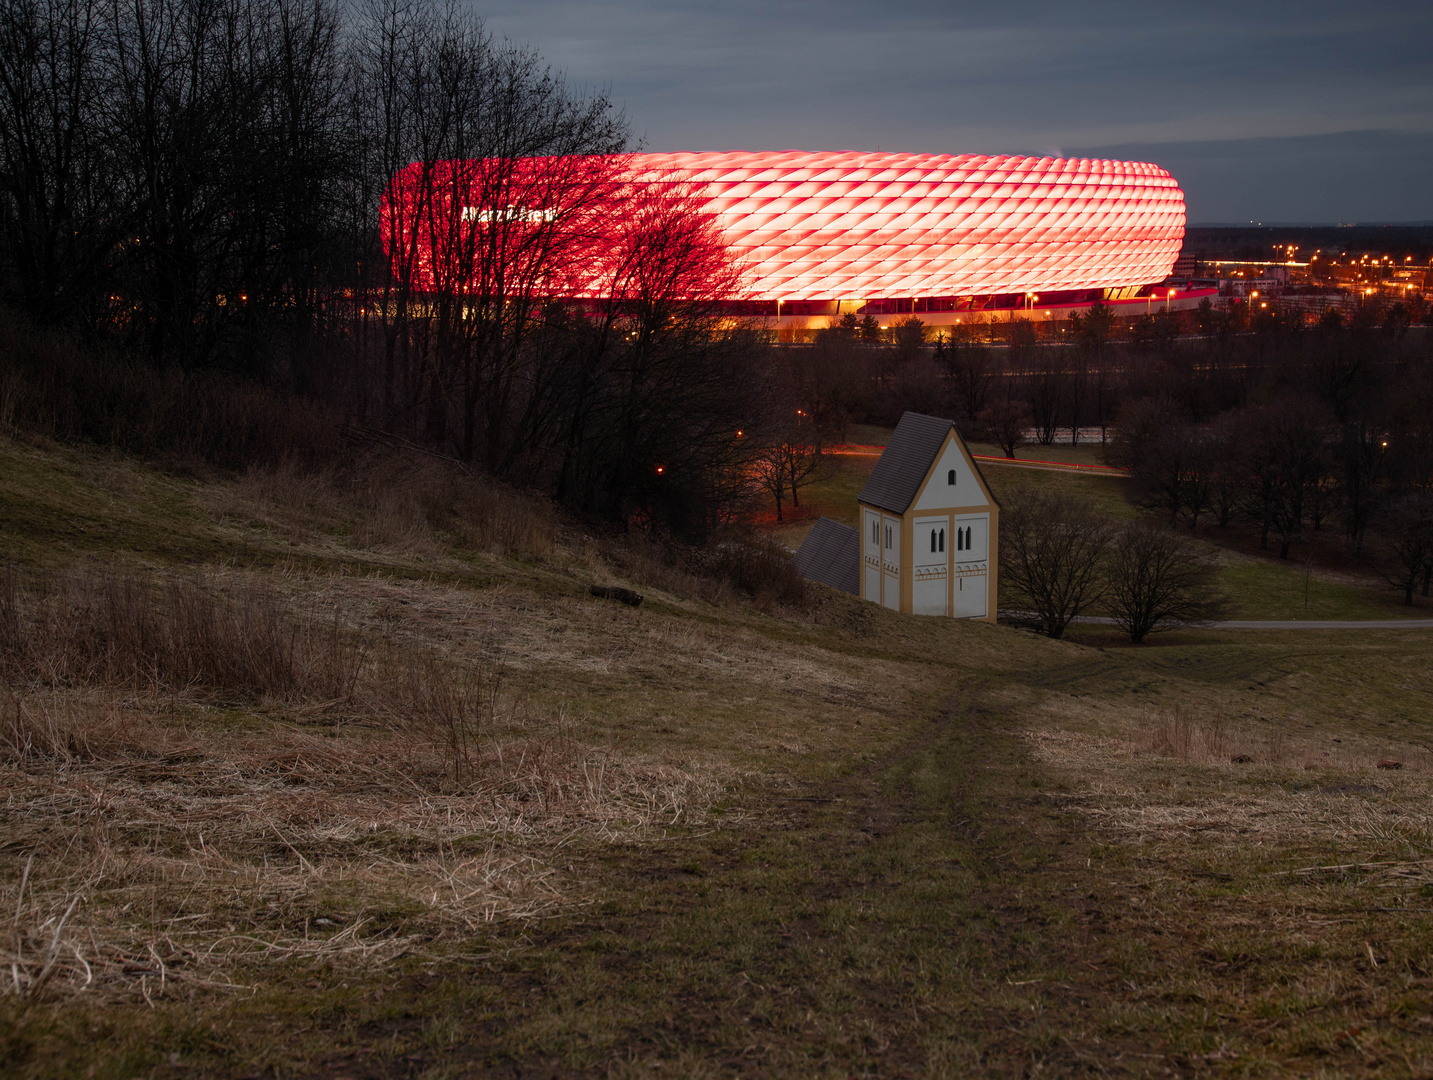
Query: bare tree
{"x": 831, "y": 381}
{"x": 1094, "y": 328}
{"x": 1157, "y": 582}
{"x": 512, "y": 186}
{"x": 1406, "y": 527}
{"x": 970, "y": 374}
{"x": 1053, "y": 548}
{"x": 1077, "y": 384}
{"x": 1045, "y": 391}
{"x": 1226, "y": 463}
{"x": 1287, "y": 447}
{"x": 660, "y": 397}
{"x": 1005, "y": 423}
{"x": 1172, "y": 468}
{"x": 56, "y": 177}
{"x": 908, "y": 340}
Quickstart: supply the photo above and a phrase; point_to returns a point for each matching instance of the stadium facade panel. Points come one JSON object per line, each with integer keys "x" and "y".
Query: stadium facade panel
{"x": 809, "y": 226}
{"x": 866, "y": 225}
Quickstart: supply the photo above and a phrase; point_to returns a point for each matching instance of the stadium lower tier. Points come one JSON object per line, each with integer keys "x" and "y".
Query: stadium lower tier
{"x": 955, "y": 310}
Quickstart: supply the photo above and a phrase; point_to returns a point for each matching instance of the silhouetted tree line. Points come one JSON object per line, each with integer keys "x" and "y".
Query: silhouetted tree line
{"x": 198, "y": 191}
{"x": 1224, "y": 419}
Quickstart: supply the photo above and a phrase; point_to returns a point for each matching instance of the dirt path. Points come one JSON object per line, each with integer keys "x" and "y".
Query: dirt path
{"x": 929, "y": 914}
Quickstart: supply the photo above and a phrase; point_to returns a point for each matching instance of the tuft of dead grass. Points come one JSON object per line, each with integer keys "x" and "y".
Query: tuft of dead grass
{"x": 163, "y": 854}
{"x": 413, "y": 503}
{"x": 1170, "y": 784}
{"x": 235, "y": 639}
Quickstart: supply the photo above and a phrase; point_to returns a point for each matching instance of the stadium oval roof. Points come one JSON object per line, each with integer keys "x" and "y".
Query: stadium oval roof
{"x": 815, "y": 225}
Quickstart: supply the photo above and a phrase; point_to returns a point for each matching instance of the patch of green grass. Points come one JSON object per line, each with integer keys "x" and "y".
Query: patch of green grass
{"x": 1271, "y": 589}
{"x": 1087, "y": 453}
{"x": 1107, "y": 493}
{"x": 59, "y": 503}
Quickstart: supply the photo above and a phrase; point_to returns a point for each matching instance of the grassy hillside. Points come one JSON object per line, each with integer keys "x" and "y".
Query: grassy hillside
{"x": 349, "y": 775}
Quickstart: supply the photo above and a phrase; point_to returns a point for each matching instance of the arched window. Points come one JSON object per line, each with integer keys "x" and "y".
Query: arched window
{"x": 959, "y": 539}
{"x": 932, "y": 540}
{"x": 942, "y": 539}
{"x": 967, "y": 538}
{"x": 875, "y": 531}
{"x": 950, "y": 478}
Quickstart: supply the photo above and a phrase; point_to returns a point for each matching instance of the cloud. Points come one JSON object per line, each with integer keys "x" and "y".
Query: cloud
{"x": 1369, "y": 176}
{"x": 1022, "y": 76}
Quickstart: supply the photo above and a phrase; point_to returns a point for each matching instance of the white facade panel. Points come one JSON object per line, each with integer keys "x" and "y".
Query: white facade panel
{"x": 931, "y": 541}
{"x": 972, "y": 540}
{"x": 940, "y": 493}
{"x": 891, "y": 561}
{"x": 971, "y": 593}
{"x": 871, "y": 544}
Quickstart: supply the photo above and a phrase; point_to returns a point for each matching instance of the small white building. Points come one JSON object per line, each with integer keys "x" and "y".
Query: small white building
{"x": 928, "y": 543}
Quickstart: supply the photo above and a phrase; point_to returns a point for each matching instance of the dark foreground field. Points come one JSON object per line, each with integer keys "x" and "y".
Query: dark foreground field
{"x": 402, "y": 800}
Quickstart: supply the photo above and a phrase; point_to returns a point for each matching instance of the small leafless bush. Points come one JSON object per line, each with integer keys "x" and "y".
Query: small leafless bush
{"x": 755, "y": 565}
{"x": 1177, "y": 735}
{"x": 1053, "y": 549}
{"x": 451, "y": 709}
{"x": 658, "y": 566}
{"x": 1158, "y": 582}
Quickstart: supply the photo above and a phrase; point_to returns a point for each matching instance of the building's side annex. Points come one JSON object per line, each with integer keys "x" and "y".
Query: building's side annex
{"x": 930, "y": 526}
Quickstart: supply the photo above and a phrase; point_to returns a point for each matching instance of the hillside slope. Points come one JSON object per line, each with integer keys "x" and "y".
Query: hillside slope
{"x": 349, "y": 775}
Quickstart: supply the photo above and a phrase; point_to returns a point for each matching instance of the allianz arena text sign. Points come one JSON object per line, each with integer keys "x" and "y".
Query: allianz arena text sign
{"x": 815, "y": 225}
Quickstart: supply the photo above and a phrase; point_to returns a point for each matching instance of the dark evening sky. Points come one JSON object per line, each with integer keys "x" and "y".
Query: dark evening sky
{"x": 1280, "y": 111}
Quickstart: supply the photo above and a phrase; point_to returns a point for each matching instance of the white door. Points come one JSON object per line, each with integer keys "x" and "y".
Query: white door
{"x": 891, "y": 562}
{"x": 930, "y": 561}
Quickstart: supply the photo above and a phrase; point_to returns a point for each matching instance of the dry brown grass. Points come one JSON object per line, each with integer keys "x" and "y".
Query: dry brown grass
{"x": 170, "y": 854}
{"x": 393, "y": 501}
{"x": 366, "y": 800}
{"x": 730, "y": 569}
{"x": 233, "y": 639}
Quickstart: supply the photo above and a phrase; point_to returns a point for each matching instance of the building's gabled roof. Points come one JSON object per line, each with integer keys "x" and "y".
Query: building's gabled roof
{"x": 831, "y": 554}
{"x": 911, "y": 451}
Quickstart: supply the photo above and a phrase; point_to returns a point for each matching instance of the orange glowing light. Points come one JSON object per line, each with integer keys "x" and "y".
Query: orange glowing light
{"x": 661, "y": 469}
{"x": 813, "y": 225}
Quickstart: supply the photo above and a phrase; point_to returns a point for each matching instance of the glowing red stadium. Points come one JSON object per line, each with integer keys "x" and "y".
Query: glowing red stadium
{"x": 820, "y": 233}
